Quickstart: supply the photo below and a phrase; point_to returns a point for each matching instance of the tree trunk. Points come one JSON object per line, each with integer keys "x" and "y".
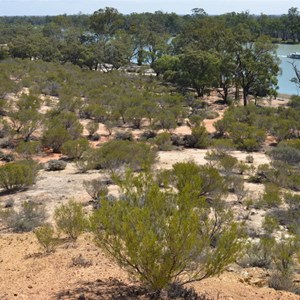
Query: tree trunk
{"x": 237, "y": 92}
{"x": 245, "y": 94}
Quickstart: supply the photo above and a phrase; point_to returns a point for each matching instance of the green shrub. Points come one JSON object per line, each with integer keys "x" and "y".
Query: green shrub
{"x": 287, "y": 154}
{"x": 46, "y": 237}
{"x": 18, "y": 175}
{"x": 70, "y": 219}
{"x": 29, "y": 148}
{"x": 228, "y": 163}
{"x": 75, "y": 148}
{"x": 55, "y": 137}
{"x": 294, "y": 143}
{"x": 158, "y": 235}
{"x": 163, "y": 141}
{"x": 271, "y": 197}
{"x": 92, "y": 127}
{"x": 294, "y": 102}
{"x": 246, "y": 137}
{"x": 270, "y": 224}
{"x": 199, "y": 138}
{"x": 223, "y": 144}
{"x": 281, "y": 282}
{"x": 259, "y": 253}
{"x": 117, "y": 153}
{"x": 283, "y": 256}
{"x": 236, "y": 186}
{"x": 222, "y": 126}
{"x": 211, "y": 114}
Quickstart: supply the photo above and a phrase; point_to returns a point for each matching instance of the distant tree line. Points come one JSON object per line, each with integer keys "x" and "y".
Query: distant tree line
{"x": 191, "y": 51}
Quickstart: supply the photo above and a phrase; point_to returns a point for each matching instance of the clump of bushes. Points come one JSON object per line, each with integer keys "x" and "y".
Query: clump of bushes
{"x": 287, "y": 154}
{"x": 30, "y": 216}
{"x": 118, "y": 153}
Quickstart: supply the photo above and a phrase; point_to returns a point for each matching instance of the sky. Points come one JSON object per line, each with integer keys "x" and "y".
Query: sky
{"x": 212, "y": 7}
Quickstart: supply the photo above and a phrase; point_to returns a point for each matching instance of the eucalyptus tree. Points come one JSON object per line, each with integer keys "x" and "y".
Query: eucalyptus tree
{"x": 257, "y": 67}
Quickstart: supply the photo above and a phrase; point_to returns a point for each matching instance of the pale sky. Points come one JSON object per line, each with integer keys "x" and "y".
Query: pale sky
{"x": 55, "y": 7}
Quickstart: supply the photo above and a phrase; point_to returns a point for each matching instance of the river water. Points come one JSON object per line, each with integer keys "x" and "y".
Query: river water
{"x": 287, "y": 72}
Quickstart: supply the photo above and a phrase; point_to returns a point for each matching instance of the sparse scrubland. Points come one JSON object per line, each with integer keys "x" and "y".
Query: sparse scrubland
{"x": 175, "y": 178}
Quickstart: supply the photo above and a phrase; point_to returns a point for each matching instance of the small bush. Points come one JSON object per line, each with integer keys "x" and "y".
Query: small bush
{"x": 30, "y": 216}
{"x": 245, "y": 137}
{"x": 146, "y": 135}
{"x": 223, "y": 144}
{"x": 18, "y": 175}
{"x": 287, "y": 154}
{"x": 163, "y": 141}
{"x": 70, "y": 219}
{"x": 80, "y": 261}
{"x": 281, "y": 282}
{"x": 271, "y": 197}
{"x": 117, "y": 154}
{"x": 228, "y": 163}
{"x": 75, "y": 148}
{"x": 55, "y": 165}
{"x": 95, "y": 188}
{"x": 46, "y": 238}
{"x": 92, "y": 127}
{"x": 259, "y": 254}
{"x": 124, "y": 135}
{"x": 29, "y": 148}
{"x": 249, "y": 159}
{"x": 294, "y": 143}
{"x": 201, "y": 137}
{"x": 294, "y": 102}
{"x": 211, "y": 114}
{"x": 238, "y": 188}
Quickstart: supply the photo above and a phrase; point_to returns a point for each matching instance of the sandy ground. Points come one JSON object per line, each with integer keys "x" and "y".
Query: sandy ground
{"x": 27, "y": 273}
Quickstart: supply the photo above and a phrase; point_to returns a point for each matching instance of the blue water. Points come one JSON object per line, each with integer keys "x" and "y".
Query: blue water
{"x": 287, "y": 72}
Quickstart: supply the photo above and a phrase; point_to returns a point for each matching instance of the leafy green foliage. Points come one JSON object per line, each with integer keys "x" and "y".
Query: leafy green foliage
{"x": 18, "y": 175}
{"x": 163, "y": 141}
{"x": 162, "y": 236}
{"x": 74, "y": 149}
{"x": 46, "y": 237}
{"x": 70, "y": 219}
{"x": 29, "y": 148}
{"x": 118, "y": 153}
